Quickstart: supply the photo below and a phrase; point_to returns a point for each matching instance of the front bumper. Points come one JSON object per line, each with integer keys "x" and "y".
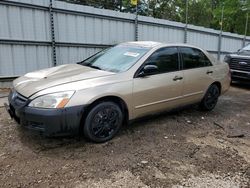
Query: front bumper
{"x": 240, "y": 75}
{"x": 49, "y": 122}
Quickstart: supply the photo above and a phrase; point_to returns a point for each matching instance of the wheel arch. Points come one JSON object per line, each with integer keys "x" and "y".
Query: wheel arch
{"x": 111, "y": 98}
{"x": 218, "y": 84}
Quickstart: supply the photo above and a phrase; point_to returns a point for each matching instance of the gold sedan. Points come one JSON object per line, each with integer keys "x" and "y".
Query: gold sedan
{"x": 96, "y": 96}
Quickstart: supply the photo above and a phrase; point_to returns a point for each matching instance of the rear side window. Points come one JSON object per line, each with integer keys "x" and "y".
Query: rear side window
{"x": 193, "y": 58}
{"x": 166, "y": 59}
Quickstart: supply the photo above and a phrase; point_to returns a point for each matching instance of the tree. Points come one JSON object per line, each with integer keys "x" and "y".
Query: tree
{"x": 142, "y": 7}
{"x": 205, "y": 13}
{"x": 234, "y": 16}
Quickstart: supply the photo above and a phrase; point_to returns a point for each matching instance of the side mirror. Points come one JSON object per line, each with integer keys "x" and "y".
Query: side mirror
{"x": 148, "y": 70}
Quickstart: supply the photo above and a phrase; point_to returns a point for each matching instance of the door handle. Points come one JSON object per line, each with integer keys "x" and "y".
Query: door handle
{"x": 209, "y": 72}
{"x": 177, "y": 78}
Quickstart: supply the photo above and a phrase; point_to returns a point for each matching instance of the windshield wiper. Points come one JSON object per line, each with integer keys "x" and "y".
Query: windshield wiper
{"x": 95, "y": 67}
{"x": 80, "y": 62}
{"x": 89, "y": 65}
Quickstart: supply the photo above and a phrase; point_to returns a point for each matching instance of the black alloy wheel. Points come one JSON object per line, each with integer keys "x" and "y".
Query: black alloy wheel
{"x": 103, "y": 122}
{"x": 210, "y": 99}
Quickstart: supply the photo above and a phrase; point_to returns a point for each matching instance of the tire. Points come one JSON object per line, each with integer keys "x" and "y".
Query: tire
{"x": 103, "y": 122}
{"x": 210, "y": 99}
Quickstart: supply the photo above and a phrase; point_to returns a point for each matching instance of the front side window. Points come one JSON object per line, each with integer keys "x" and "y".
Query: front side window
{"x": 193, "y": 58}
{"x": 166, "y": 59}
{"x": 116, "y": 59}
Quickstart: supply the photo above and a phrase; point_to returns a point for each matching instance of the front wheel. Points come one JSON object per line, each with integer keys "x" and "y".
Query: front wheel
{"x": 103, "y": 122}
{"x": 210, "y": 99}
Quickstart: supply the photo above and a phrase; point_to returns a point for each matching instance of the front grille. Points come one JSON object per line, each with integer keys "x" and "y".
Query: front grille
{"x": 20, "y": 99}
{"x": 240, "y": 64}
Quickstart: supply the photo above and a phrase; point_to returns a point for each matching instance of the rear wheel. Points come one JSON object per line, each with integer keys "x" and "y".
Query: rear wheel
{"x": 103, "y": 122}
{"x": 210, "y": 99}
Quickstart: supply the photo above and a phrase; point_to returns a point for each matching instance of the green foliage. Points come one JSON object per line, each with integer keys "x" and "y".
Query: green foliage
{"x": 234, "y": 16}
{"x": 205, "y": 13}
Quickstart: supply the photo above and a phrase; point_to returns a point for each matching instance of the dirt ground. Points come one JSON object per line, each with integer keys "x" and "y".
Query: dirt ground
{"x": 177, "y": 149}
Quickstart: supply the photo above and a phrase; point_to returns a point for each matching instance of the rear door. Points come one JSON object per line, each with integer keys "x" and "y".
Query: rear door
{"x": 197, "y": 72}
{"x": 162, "y": 89}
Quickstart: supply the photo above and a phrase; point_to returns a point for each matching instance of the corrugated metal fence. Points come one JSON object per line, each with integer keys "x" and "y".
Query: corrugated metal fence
{"x": 37, "y": 34}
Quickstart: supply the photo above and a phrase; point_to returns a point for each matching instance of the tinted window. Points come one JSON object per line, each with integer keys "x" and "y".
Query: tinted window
{"x": 194, "y": 58}
{"x": 166, "y": 59}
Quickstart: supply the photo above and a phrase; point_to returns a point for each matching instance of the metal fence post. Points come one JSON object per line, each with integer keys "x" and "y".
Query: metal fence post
{"x": 186, "y": 23}
{"x": 245, "y": 35}
{"x": 244, "y": 41}
{"x": 220, "y": 35}
{"x": 52, "y": 31}
{"x": 185, "y": 34}
{"x": 219, "y": 45}
{"x": 136, "y": 24}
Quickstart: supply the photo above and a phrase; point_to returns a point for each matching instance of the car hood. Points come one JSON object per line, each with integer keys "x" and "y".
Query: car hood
{"x": 239, "y": 55}
{"x": 36, "y": 81}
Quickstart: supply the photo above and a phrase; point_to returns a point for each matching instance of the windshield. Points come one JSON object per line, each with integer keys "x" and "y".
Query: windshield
{"x": 116, "y": 59}
{"x": 246, "y": 48}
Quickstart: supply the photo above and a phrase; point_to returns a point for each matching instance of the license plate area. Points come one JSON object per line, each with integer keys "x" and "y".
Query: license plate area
{"x": 11, "y": 111}
{"x": 7, "y": 107}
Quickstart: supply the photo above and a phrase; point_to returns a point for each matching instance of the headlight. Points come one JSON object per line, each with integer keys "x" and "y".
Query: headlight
{"x": 53, "y": 100}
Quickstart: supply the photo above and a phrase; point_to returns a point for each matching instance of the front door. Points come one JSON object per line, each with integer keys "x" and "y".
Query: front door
{"x": 161, "y": 89}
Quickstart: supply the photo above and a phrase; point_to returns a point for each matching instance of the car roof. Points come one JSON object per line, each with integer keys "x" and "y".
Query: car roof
{"x": 145, "y": 44}
{"x": 153, "y": 44}
{"x": 157, "y": 45}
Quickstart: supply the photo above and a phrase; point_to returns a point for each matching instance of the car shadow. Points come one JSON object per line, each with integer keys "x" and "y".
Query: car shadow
{"x": 39, "y": 143}
{"x": 49, "y": 145}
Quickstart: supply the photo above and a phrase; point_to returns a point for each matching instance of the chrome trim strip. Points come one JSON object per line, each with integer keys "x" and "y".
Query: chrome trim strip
{"x": 157, "y": 102}
{"x": 191, "y": 94}
{"x": 234, "y": 70}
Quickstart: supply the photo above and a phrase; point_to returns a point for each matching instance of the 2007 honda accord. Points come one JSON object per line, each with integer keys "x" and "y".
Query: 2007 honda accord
{"x": 133, "y": 79}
